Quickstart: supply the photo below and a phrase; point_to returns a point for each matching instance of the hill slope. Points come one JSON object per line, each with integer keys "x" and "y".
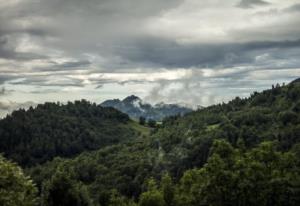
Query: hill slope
{"x": 49, "y": 130}
{"x": 135, "y": 108}
{"x": 253, "y": 138}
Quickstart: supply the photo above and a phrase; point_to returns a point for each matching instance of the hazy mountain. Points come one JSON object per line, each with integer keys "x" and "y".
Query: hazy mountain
{"x": 135, "y": 108}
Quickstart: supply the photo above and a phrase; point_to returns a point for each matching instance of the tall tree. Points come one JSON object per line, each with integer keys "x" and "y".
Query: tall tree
{"x": 16, "y": 189}
{"x": 61, "y": 190}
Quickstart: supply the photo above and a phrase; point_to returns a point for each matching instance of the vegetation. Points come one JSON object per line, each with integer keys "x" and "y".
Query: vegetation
{"x": 245, "y": 152}
{"x": 142, "y": 120}
{"x": 49, "y": 130}
{"x": 16, "y": 189}
{"x": 151, "y": 123}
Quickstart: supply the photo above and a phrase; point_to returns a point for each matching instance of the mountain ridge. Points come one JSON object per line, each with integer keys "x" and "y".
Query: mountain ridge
{"x": 135, "y": 107}
{"x": 254, "y": 139}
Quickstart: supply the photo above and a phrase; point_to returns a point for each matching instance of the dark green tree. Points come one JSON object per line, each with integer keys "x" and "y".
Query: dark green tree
{"x": 142, "y": 120}
{"x": 151, "y": 123}
{"x": 153, "y": 196}
{"x": 61, "y": 190}
{"x": 167, "y": 189}
{"x": 118, "y": 200}
{"x": 16, "y": 189}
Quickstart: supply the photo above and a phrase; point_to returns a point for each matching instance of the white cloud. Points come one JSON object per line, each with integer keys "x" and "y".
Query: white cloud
{"x": 199, "y": 52}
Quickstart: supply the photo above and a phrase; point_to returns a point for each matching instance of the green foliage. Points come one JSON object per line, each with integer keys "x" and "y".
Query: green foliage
{"x": 168, "y": 189}
{"x": 152, "y": 197}
{"x": 287, "y": 117}
{"x": 245, "y": 152}
{"x": 261, "y": 176}
{"x": 151, "y": 123}
{"x": 142, "y": 120}
{"x": 50, "y": 130}
{"x": 16, "y": 189}
{"x": 61, "y": 190}
{"x": 117, "y": 200}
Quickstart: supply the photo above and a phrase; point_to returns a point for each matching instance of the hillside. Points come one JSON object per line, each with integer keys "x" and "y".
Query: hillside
{"x": 135, "y": 108}
{"x": 49, "y": 130}
{"x": 245, "y": 152}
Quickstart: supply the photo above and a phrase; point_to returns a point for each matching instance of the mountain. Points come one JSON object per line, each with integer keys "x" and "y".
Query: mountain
{"x": 135, "y": 108}
{"x": 39, "y": 134}
{"x": 245, "y": 152}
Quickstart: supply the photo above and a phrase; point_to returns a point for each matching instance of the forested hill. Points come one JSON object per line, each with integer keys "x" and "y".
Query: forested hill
{"x": 52, "y": 129}
{"x": 270, "y": 115}
{"x": 245, "y": 152}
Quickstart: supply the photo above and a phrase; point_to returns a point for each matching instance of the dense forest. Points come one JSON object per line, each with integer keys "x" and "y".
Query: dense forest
{"x": 245, "y": 152}
{"x": 53, "y": 129}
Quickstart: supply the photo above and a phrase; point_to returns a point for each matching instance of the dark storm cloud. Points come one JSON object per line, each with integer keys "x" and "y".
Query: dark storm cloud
{"x": 252, "y": 3}
{"x": 117, "y": 8}
{"x": 70, "y": 43}
{"x": 113, "y": 31}
{"x": 6, "y": 77}
{"x": 58, "y": 17}
{"x": 74, "y": 26}
{"x": 66, "y": 66}
{"x": 75, "y": 64}
{"x": 8, "y": 51}
{"x": 164, "y": 53}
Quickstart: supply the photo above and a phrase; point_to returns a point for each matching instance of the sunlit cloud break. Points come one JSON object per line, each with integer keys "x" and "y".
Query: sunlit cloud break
{"x": 175, "y": 51}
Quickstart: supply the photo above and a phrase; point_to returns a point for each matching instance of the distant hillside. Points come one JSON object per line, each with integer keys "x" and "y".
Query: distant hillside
{"x": 135, "y": 108}
{"x": 245, "y": 152}
{"x": 49, "y": 130}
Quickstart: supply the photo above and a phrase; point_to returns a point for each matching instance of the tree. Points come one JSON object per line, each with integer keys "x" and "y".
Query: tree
{"x": 151, "y": 123}
{"x": 262, "y": 176}
{"x": 142, "y": 120}
{"x": 117, "y": 200}
{"x": 16, "y": 189}
{"x": 152, "y": 197}
{"x": 288, "y": 117}
{"x": 167, "y": 189}
{"x": 61, "y": 190}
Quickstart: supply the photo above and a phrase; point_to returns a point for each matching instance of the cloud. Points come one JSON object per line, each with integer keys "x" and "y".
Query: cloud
{"x": 185, "y": 49}
{"x": 4, "y": 78}
{"x": 208, "y": 86}
{"x": 293, "y": 8}
{"x": 159, "y": 53}
{"x": 251, "y": 3}
{"x": 2, "y": 91}
{"x": 114, "y": 35}
{"x": 65, "y": 66}
{"x": 46, "y": 80}
{"x": 7, "y": 107}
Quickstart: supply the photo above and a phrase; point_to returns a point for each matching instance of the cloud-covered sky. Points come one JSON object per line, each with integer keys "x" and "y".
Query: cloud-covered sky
{"x": 188, "y": 51}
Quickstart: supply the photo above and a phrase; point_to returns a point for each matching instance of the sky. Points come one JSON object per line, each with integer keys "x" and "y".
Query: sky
{"x": 177, "y": 51}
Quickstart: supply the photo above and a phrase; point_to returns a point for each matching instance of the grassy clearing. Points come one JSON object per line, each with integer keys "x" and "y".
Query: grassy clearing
{"x": 144, "y": 130}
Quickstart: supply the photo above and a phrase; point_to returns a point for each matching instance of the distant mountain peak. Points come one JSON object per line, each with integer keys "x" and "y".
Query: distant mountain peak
{"x": 135, "y": 107}
{"x": 131, "y": 98}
